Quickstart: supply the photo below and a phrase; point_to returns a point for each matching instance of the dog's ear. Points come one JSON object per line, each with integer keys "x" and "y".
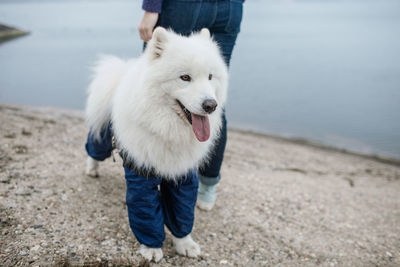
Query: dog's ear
{"x": 205, "y": 33}
{"x": 158, "y": 41}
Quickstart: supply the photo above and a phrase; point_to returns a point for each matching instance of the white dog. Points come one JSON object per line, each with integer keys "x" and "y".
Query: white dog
{"x": 165, "y": 108}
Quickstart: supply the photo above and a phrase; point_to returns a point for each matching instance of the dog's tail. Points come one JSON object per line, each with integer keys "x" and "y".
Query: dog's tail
{"x": 108, "y": 71}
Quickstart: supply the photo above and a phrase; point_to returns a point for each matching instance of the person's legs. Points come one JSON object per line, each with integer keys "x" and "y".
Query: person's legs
{"x": 224, "y": 30}
{"x": 223, "y": 19}
{"x": 226, "y": 26}
{"x": 185, "y": 17}
{"x": 209, "y": 173}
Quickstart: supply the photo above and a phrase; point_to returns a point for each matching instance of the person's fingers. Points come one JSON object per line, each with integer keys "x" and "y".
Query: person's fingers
{"x": 149, "y": 34}
{"x": 141, "y": 34}
{"x": 140, "y": 31}
{"x": 146, "y": 26}
{"x": 145, "y": 33}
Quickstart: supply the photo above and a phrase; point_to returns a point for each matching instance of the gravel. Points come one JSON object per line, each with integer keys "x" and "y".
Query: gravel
{"x": 279, "y": 203}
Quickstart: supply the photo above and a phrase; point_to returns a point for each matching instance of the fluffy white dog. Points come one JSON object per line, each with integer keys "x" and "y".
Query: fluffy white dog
{"x": 164, "y": 107}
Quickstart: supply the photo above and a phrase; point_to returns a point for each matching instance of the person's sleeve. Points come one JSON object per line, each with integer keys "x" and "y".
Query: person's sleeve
{"x": 152, "y": 5}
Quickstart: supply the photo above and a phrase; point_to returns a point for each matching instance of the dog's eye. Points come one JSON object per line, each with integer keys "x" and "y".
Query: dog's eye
{"x": 186, "y": 78}
{"x": 210, "y": 76}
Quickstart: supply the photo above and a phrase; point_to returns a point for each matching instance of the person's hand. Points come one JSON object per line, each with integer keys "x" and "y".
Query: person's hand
{"x": 147, "y": 24}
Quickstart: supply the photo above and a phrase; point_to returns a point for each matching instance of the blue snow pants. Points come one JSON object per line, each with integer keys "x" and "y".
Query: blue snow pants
{"x": 149, "y": 207}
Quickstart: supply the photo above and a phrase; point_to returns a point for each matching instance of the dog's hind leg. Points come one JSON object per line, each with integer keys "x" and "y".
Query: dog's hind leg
{"x": 149, "y": 254}
{"x": 186, "y": 246}
{"x": 92, "y": 167}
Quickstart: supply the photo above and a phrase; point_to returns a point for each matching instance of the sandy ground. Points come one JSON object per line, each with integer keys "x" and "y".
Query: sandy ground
{"x": 279, "y": 203}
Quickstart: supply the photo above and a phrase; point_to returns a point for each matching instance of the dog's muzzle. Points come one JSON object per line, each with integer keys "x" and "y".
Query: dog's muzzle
{"x": 209, "y": 105}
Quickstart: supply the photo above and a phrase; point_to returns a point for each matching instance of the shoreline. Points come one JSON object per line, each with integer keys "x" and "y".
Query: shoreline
{"x": 295, "y": 140}
{"x": 320, "y": 145}
{"x": 8, "y": 33}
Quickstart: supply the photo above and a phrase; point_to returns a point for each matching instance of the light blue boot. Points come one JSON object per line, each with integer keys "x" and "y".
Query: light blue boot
{"x": 207, "y": 194}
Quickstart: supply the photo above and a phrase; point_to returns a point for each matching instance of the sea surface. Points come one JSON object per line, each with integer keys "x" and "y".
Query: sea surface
{"x": 322, "y": 70}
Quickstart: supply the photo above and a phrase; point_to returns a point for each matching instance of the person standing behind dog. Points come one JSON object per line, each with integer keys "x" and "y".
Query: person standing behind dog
{"x": 223, "y": 19}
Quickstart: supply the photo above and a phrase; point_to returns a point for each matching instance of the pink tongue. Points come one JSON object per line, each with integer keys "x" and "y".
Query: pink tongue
{"x": 201, "y": 127}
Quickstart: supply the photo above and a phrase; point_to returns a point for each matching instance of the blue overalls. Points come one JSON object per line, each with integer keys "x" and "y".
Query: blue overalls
{"x": 148, "y": 207}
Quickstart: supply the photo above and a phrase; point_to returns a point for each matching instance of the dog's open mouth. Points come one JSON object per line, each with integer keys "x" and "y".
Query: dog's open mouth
{"x": 200, "y": 124}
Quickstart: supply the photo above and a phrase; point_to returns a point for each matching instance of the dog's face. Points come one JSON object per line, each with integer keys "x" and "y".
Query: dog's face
{"x": 192, "y": 75}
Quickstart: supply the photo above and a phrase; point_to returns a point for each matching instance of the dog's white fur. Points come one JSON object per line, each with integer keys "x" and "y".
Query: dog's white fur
{"x": 150, "y": 254}
{"x": 139, "y": 97}
{"x": 92, "y": 166}
{"x": 184, "y": 246}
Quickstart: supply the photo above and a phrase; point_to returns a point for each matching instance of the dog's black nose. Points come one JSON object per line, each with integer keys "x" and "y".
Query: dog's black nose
{"x": 209, "y": 105}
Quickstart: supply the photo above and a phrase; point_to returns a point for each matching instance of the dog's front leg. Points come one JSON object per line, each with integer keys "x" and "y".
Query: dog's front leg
{"x": 179, "y": 201}
{"x": 186, "y": 246}
{"x": 150, "y": 254}
{"x": 146, "y": 218}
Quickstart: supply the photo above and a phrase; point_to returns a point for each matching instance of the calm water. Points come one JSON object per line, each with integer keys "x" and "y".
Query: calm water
{"x": 323, "y": 70}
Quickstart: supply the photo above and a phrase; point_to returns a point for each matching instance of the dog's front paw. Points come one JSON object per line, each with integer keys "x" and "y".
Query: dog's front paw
{"x": 92, "y": 167}
{"x": 155, "y": 254}
{"x": 186, "y": 246}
